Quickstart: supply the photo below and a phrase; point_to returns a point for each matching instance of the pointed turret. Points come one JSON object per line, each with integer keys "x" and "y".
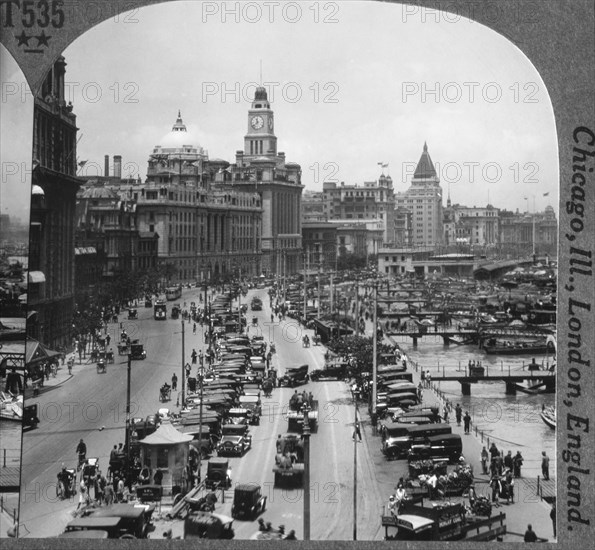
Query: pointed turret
{"x": 425, "y": 168}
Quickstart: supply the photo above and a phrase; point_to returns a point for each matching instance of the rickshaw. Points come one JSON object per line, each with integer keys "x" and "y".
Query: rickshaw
{"x": 165, "y": 392}
{"x": 132, "y": 313}
{"x": 65, "y": 486}
{"x": 101, "y": 366}
{"x": 89, "y": 470}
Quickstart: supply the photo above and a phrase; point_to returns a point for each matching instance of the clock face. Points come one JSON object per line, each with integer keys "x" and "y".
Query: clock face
{"x": 270, "y": 123}
{"x": 257, "y": 122}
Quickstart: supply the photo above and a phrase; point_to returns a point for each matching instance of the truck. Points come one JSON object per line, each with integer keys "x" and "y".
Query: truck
{"x": 295, "y": 419}
{"x": 160, "y": 310}
{"x": 289, "y": 463}
{"x": 441, "y": 522}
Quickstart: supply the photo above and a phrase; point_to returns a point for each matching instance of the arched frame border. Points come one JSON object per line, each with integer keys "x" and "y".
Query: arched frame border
{"x": 557, "y": 36}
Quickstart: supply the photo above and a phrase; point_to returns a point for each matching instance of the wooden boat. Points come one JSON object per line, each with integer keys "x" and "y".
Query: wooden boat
{"x": 515, "y": 347}
{"x": 548, "y": 415}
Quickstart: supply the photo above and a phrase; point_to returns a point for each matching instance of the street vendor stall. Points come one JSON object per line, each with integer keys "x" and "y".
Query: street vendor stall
{"x": 166, "y": 451}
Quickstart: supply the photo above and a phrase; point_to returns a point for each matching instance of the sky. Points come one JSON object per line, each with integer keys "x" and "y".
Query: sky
{"x": 352, "y": 84}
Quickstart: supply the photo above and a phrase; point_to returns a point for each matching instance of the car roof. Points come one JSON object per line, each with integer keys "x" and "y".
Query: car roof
{"x": 120, "y": 510}
{"x": 247, "y": 487}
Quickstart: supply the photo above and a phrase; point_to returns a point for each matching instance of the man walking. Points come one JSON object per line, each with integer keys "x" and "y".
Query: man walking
{"x": 174, "y": 382}
{"x": 458, "y": 413}
{"x": 467, "y": 422}
{"x": 545, "y": 465}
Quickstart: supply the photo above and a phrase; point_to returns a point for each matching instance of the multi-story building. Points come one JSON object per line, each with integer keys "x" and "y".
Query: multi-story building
{"x": 424, "y": 200}
{"x": 471, "y": 225}
{"x": 524, "y": 233}
{"x": 313, "y": 207}
{"x": 371, "y": 203}
{"x": 50, "y": 291}
{"x": 261, "y": 169}
{"x": 320, "y": 243}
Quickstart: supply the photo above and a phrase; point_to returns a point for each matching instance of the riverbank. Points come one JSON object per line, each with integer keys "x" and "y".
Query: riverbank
{"x": 532, "y": 495}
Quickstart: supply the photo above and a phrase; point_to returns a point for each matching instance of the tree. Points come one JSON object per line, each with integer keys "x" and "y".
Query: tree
{"x": 360, "y": 349}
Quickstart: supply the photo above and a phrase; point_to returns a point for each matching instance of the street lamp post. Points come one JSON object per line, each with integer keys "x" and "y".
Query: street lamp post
{"x": 356, "y": 435}
{"x": 127, "y": 439}
{"x": 374, "y": 348}
{"x": 306, "y": 434}
{"x": 357, "y": 306}
{"x": 183, "y": 368}
{"x": 305, "y": 288}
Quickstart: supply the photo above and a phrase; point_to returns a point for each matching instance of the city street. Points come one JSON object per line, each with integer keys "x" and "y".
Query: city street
{"x": 91, "y": 406}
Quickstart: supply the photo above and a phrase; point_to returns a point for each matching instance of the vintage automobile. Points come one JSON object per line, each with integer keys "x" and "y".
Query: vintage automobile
{"x": 398, "y": 443}
{"x": 137, "y": 350}
{"x": 235, "y": 440}
{"x": 252, "y": 403}
{"x": 208, "y": 525}
{"x": 30, "y": 416}
{"x": 294, "y": 376}
{"x": 248, "y": 501}
{"x": 337, "y": 370}
{"x": 218, "y": 473}
{"x": 443, "y": 446}
{"x": 134, "y": 521}
{"x": 132, "y": 313}
{"x": 289, "y": 463}
{"x": 237, "y": 416}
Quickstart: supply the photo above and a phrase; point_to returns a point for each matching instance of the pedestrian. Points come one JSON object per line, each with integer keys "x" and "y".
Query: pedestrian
{"x": 392, "y": 505}
{"x": 530, "y": 535}
{"x": 83, "y": 495}
{"x": 100, "y": 485}
{"x": 467, "y": 422}
{"x": 290, "y": 535}
{"x": 120, "y": 490}
{"x": 432, "y": 483}
{"x": 494, "y": 452}
{"x": 545, "y": 465}
{"x": 458, "y": 413}
{"x": 158, "y": 477}
{"x": 508, "y": 461}
{"x": 194, "y": 355}
{"x": 13, "y": 383}
{"x": 423, "y": 378}
{"x": 484, "y": 460}
{"x": 108, "y": 494}
{"x": 201, "y": 358}
{"x": 517, "y": 462}
{"x": 553, "y": 517}
{"x": 445, "y": 415}
{"x": 194, "y": 328}
{"x": 509, "y": 482}
{"x": 429, "y": 378}
{"x": 279, "y": 445}
{"x": 174, "y": 382}
{"x": 261, "y": 525}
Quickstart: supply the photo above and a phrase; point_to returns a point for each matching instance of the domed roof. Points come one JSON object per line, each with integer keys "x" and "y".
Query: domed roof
{"x": 178, "y": 137}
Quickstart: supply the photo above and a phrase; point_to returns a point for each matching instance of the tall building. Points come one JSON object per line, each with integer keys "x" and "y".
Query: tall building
{"x": 373, "y": 203}
{"x": 262, "y": 169}
{"x": 50, "y": 292}
{"x": 424, "y": 200}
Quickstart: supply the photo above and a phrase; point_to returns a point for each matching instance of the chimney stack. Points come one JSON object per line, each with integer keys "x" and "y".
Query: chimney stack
{"x": 118, "y": 166}
{"x": 106, "y": 165}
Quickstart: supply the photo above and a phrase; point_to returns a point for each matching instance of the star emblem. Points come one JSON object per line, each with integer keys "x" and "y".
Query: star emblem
{"x": 23, "y": 39}
{"x": 43, "y": 39}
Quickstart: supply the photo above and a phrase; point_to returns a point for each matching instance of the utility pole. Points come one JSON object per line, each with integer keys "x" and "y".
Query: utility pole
{"x": 319, "y": 290}
{"x": 284, "y": 276}
{"x": 305, "y": 287}
{"x": 374, "y": 349}
{"x": 355, "y": 440}
{"x": 183, "y": 369}
{"x": 357, "y": 306}
{"x": 127, "y": 439}
{"x": 306, "y": 434}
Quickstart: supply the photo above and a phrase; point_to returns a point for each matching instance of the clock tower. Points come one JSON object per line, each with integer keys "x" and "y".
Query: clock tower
{"x": 260, "y": 141}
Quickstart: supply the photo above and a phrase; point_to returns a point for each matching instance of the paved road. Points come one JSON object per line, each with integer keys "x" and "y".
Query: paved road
{"x": 92, "y": 406}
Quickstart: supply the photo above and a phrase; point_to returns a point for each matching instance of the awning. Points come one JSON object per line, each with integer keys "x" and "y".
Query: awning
{"x": 36, "y": 277}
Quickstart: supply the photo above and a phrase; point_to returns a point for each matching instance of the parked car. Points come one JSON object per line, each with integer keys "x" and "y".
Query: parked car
{"x": 235, "y": 440}
{"x": 337, "y": 370}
